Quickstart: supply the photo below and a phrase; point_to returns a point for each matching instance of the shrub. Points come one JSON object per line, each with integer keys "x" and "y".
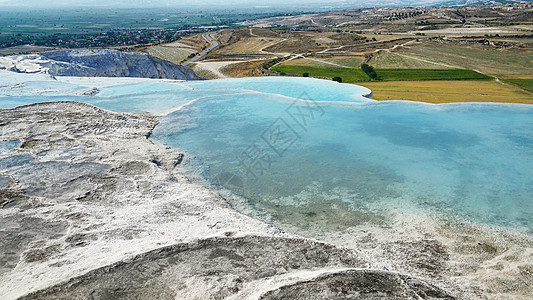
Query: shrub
{"x": 305, "y": 74}
{"x": 337, "y": 78}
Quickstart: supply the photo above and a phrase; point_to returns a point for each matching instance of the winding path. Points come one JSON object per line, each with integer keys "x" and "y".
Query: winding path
{"x": 214, "y": 44}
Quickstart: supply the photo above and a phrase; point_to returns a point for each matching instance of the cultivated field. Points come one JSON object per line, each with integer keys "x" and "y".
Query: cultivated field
{"x": 448, "y": 91}
{"x": 356, "y": 74}
{"x": 523, "y": 83}
{"x": 194, "y": 41}
{"x": 181, "y": 50}
{"x": 472, "y": 31}
{"x": 348, "y": 62}
{"x": 485, "y": 61}
{"x": 174, "y": 54}
{"x": 429, "y": 74}
{"x": 391, "y": 60}
{"x": 252, "y": 45}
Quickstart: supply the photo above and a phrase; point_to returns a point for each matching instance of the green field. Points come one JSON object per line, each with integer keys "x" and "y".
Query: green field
{"x": 439, "y": 91}
{"x": 352, "y": 61}
{"x": 523, "y": 83}
{"x": 347, "y": 74}
{"x": 357, "y": 75}
{"x": 429, "y": 74}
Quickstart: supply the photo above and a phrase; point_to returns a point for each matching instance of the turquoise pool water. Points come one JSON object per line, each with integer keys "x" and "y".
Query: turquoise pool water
{"x": 296, "y": 150}
{"x": 472, "y": 161}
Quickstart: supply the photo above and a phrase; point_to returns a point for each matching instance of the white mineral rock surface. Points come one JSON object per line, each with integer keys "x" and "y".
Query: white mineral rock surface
{"x": 92, "y": 63}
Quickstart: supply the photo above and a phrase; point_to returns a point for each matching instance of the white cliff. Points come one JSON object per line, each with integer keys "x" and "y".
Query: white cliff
{"x": 97, "y": 63}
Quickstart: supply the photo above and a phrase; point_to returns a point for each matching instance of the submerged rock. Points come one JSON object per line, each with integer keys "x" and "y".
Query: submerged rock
{"x": 97, "y": 63}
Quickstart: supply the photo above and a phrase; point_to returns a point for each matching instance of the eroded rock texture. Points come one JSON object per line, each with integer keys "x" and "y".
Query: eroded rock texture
{"x": 360, "y": 284}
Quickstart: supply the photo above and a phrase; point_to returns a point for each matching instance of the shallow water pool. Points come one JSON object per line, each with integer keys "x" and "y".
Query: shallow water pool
{"x": 307, "y": 151}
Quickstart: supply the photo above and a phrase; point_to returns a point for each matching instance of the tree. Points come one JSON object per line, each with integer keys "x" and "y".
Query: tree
{"x": 337, "y": 78}
{"x": 305, "y": 74}
{"x": 369, "y": 70}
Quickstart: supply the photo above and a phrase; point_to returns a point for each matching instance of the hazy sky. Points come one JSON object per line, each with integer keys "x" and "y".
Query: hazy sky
{"x": 184, "y": 3}
{"x": 149, "y": 3}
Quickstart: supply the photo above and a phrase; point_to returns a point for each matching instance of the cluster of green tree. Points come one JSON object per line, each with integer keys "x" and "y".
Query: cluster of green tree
{"x": 430, "y": 23}
{"x": 369, "y": 70}
{"x": 402, "y": 15}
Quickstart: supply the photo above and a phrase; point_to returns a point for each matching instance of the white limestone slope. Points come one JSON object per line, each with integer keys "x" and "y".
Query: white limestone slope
{"x": 97, "y": 63}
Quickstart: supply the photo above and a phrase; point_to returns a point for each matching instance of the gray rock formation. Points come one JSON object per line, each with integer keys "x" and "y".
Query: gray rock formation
{"x": 359, "y": 284}
{"x": 240, "y": 268}
{"x": 97, "y": 63}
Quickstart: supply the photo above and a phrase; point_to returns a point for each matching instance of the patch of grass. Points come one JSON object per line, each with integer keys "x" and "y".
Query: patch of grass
{"x": 448, "y": 91}
{"x": 350, "y": 61}
{"x": 204, "y": 73}
{"x": 347, "y": 74}
{"x": 523, "y": 83}
{"x": 430, "y": 74}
